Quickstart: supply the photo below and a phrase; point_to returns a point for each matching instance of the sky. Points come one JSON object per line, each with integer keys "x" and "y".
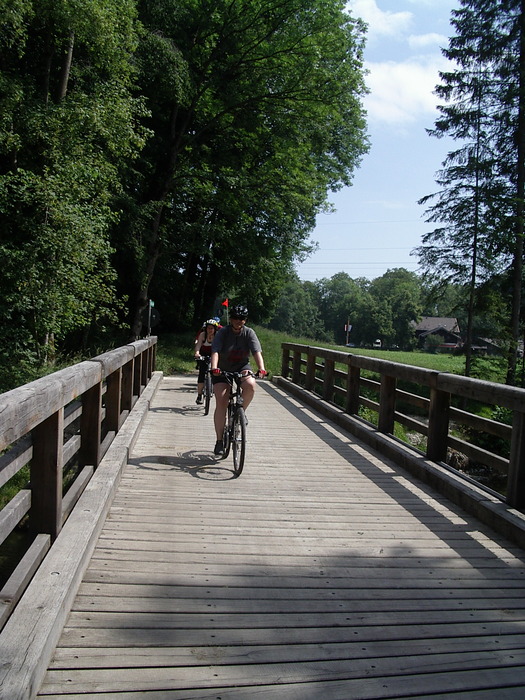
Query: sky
{"x": 377, "y": 221}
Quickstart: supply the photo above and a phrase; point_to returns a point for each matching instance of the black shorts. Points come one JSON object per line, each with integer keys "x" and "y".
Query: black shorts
{"x": 221, "y": 379}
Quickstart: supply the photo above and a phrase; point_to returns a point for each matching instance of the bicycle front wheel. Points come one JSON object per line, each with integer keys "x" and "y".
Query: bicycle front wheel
{"x": 227, "y": 435}
{"x": 207, "y": 393}
{"x": 239, "y": 440}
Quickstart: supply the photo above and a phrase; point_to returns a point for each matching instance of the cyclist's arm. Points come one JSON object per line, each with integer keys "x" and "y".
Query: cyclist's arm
{"x": 198, "y": 345}
{"x": 259, "y": 361}
{"x": 214, "y": 361}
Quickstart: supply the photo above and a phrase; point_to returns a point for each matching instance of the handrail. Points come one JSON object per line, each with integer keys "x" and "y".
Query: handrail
{"x": 60, "y": 426}
{"x": 337, "y": 378}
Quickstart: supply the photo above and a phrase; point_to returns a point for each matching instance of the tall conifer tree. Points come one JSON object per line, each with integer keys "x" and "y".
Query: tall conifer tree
{"x": 480, "y": 205}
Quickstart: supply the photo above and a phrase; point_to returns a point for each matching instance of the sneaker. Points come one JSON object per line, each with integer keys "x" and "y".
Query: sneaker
{"x": 198, "y": 399}
{"x": 218, "y": 449}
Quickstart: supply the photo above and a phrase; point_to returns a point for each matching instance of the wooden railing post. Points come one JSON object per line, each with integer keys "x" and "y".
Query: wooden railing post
{"x": 127, "y": 386}
{"x": 145, "y": 367}
{"x": 91, "y": 426}
{"x": 310, "y": 372}
{"x": 296, "y": 368}
{"x": 352, "y": 390}
{"x": 438, "y": 420}
{"x": 152, "y": 359}
{"x": 113, "y": 400}
{"x": 328, "y": 379}
{"x": 137, "y": 377}
{"x": 387, "y": 404}
{"x": 285, "y": 363}
{"x": 46, "y": 476}
{"x": 516, "y": 475}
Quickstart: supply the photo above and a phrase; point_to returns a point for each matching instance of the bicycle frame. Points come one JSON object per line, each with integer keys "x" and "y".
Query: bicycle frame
{"x": 235, "y": 429}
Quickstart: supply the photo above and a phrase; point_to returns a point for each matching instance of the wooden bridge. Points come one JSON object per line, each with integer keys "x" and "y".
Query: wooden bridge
{"x": 325, "y": 571}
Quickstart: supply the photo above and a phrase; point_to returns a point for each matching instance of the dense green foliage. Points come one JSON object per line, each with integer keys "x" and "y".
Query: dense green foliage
{"x": 384, "y": 308}
{"x": 171, "y": 149}
{"x": 179, "y": 151}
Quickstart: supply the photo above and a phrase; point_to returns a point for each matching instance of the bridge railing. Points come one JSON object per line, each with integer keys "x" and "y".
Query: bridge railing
{"x": 58, "y": 429}
{"x": 436, "y": 403}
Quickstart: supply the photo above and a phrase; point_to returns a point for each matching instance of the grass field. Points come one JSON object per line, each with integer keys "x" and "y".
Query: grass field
{"x": 175, "y": 353}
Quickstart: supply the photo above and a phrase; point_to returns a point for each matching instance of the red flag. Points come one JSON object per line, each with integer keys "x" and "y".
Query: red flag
{"x": 225, "y": 303}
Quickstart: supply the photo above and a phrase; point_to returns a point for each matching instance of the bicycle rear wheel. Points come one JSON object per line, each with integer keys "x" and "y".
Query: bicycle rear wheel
{"x": 239, "y": 440}
{"x": 207, "y": 393}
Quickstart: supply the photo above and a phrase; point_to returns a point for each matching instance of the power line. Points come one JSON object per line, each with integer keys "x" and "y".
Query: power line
{"x": 351, "y": 223}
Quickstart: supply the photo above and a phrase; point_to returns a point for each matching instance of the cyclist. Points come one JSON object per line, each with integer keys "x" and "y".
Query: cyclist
{"x": 230, "y": 352}
{"x": 203, "y": 349}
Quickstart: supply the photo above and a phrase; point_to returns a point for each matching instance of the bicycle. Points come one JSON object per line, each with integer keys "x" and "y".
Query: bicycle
{"x": 208, "y": 390}
{"x": 234, "y": 435}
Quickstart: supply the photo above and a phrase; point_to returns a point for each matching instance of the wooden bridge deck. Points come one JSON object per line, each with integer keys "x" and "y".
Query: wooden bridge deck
{"x": 324, "y": 571}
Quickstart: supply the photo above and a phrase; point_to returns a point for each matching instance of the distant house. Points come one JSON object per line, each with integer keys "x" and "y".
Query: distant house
{"x": 487, "y": 346}
{"x": 446, "y": 328}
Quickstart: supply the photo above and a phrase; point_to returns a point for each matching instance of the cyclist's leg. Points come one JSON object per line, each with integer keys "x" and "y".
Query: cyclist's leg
{"x": 221, "y": 392}
{"x": 200, "y": 379}
{"x": 248, "y": 391}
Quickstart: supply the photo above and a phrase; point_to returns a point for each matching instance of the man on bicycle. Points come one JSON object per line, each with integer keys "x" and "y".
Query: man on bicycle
{"x": 230, "y": 352}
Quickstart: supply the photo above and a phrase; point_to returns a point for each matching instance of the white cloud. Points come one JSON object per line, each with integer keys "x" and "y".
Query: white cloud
{"x": 423, "y": 41}
{"x": 380, "y": 23}
{"x": 402, "y": 93}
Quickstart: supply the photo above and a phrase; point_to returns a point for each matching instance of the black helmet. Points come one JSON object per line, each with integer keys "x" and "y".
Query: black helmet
{"x": 239, "y": 311}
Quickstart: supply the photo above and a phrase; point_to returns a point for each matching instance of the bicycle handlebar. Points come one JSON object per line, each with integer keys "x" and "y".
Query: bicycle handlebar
{"x": 237, "y": 375}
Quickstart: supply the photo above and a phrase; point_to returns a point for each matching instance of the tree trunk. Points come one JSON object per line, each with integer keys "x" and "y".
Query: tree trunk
{"x": 517, "y": 266}
{"x": 66, "y": 67}
{"x": 141, "y": 300}
{"x": 473, "y": 272}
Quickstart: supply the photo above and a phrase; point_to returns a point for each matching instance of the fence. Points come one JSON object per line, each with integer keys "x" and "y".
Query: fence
{"x": 60, "y": 427}
{"x": 356, "y": 382}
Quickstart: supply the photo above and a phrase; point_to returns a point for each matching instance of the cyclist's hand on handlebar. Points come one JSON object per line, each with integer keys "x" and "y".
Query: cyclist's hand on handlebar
{"x": 261, "y": 373}
{"x": 216, "y": 371}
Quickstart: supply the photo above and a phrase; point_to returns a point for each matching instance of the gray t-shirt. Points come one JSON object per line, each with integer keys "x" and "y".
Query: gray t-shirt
{"x": 234, "y": 350}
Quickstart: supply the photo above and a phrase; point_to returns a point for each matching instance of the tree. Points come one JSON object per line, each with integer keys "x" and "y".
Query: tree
{"x": 296, "y": 312}
{"x": 263, "y": 118}
{"x": 68, "y": 122}
{"x": 400, "y": 291}
{"x": 480, "y": 205}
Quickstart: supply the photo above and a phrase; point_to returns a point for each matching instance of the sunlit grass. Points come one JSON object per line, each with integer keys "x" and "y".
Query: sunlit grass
{"x": 175, "y": 353}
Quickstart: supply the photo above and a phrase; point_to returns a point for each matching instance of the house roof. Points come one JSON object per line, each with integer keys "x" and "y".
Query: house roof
{"x": 433, "y": 323}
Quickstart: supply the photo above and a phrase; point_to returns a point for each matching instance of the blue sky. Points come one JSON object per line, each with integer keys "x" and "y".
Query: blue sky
{"x": 377, "y": 221}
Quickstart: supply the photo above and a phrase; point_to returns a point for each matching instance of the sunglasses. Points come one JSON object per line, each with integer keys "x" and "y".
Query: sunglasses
{"x": 238, "y": 318}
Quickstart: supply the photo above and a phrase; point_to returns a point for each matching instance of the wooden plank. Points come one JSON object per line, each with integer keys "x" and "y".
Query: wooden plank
{"x": 157, "y": 678}
{"x": 22, "y": 575}
{"x": 144, "y": 656}
{"x": 15, "y": 458}
{"x": 13, "y": 512}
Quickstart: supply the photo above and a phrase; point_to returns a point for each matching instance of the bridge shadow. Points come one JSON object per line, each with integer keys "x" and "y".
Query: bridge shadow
{"x": 338, "y": 625}
{"x": 403, "y": 488}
